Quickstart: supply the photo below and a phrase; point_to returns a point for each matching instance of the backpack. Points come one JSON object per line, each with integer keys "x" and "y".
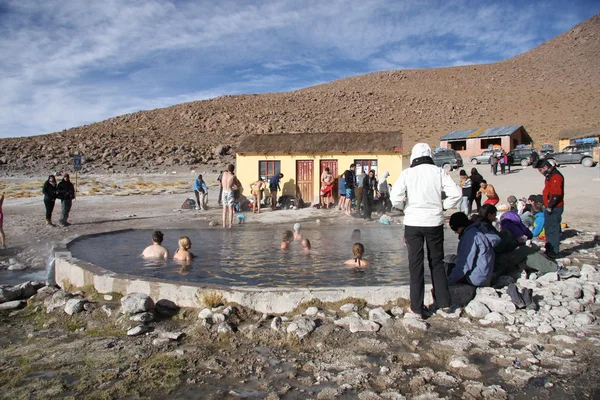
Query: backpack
{"x": 189, "y": 204}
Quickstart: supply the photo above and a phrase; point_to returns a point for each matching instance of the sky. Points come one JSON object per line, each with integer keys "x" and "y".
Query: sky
{"x": 73, "y": 62}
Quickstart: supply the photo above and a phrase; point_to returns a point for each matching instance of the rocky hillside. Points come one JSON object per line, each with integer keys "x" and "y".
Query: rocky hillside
{"x": 550, "y": 88}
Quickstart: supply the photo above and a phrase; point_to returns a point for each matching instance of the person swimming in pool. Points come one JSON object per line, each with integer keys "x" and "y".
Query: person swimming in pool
{"x": 286, "y": 239}
{"x": 156, "y": 250}
{"x": 306, "y": 245}
{"x": 357, "y": 250}
{"x": 297, "y": 234}
{"x": 183, "y": 253}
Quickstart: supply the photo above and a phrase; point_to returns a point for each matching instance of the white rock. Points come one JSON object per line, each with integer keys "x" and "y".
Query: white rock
{"x": 379, "y": 315}
{"x": 547, "y": 278}
{"x": 397, "y": 311}
{"x": 361, "y": 325}
{"x": 545, "y": 328}
{"x": 311, "y": 311}
{"x": 107, "y": 310}
{"x": 486, "y": 291}
{"x": 571, "y": 290}
{"x": 584, "y": 319}
{"x": 301, "y": 327}
{"x": 171, "y": 335}
{"x": 138, "y": 330}
{"x": 142, "y": 317}
{"x": 458, "y": 362}
{"x": 12, "y": 305}
{"x": 496, "y": 304}
{"x": 136, "y": 303}
{"x": 74, "y": 306}
{"x": 108, "y": 297}
{"x": 559, "y": 312}
{"x": 575, "y": 306}
{"x": 348, "y": 307}
{"x": 494, "y": 317}
{"x": 229, "y": 310}
{"x": 564, "y": 339}
{"x": 485, "y": 322}
{"x": 415, "y": 325}
{"x": 160, "y": 341}
{"x": 276, "y": 324}
{"x": 17, "y": 266}
{"x": 205, "y": 313}
{"x": 224, "y": 327}
{"x": 477, "y": 309}
{"x": 218, "y": 318}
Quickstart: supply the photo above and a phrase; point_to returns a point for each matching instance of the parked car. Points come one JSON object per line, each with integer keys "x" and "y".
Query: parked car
{"x": 577, "y": 154}
{"x": 448, "y": 159}
{"x": 484, "y": 158}
{"x": 524, "y": 156}
{"x": 546, "y": 148}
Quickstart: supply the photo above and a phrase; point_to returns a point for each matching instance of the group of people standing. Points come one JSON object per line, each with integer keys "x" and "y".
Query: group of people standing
{"x": 364, "y": 188}
{"x": 501, "y": 160}
{"x": 65, "y": 192}
{"x": 487, "y": 247}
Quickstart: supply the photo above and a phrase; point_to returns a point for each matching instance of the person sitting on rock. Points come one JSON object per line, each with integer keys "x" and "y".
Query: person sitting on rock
{"x": 182, "y": 253}
{"x": 357, "y": 250}
{"x": 155, "y": 250}
{"x": 476, "y": 256}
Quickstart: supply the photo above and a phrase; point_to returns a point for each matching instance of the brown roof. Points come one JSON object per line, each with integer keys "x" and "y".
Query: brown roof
{"x": 325, "y": 142}
{"x": 578, "y": 133}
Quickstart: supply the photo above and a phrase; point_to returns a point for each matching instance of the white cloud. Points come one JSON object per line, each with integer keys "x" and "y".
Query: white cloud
{"x": 71, "y": 62}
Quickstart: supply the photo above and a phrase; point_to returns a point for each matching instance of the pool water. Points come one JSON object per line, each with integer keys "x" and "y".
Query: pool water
{"x": 251, "y": 256}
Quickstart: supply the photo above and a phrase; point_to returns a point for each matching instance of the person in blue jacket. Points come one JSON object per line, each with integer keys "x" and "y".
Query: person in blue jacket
{"x": 476, "y": 255}
{"x": 201, "y": 192}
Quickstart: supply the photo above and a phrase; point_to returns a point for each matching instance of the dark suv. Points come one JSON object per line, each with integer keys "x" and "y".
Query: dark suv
{"x": 576, "y": 154}
{"x": 525, "y": 156}
{"x": 448, "y": 159}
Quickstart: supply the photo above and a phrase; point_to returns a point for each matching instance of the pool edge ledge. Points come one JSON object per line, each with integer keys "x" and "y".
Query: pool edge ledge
{"x": 74, "y": 272}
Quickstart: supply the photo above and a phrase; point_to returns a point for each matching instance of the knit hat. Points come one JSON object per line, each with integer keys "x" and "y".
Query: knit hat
{"x": 511, "y": 199}
{"x": 296, "y": 226}
{"x": 420, "y": 150}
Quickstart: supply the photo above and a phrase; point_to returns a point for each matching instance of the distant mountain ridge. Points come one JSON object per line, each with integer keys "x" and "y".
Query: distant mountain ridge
{"x": 552, "y": 87}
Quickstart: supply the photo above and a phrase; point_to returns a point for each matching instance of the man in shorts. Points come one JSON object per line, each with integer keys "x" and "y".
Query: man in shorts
{"x": 326, "y": 188}
{"x": 229, "y": 182}
{"x": 155, "y": 250}
{"x": 350, "y": 177}
{"x": 490, "y": 192}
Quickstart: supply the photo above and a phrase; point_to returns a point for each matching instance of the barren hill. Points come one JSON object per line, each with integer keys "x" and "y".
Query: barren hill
{"x": 550, "y": 88}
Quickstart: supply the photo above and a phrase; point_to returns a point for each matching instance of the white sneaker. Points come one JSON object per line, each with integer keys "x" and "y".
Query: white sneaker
{"x": 197, "y": 208}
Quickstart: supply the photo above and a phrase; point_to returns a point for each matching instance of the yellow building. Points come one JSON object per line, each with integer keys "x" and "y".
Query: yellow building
{"x": 568, "y": 137}
{"x": 302, "y": 157}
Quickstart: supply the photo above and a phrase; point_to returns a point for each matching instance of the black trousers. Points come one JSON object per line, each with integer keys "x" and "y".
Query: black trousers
{"x": 66, "y": 209}
{"x": 433, "y": 238}
{"x": 470, "y": 204}
{"x": 49, "y": 207}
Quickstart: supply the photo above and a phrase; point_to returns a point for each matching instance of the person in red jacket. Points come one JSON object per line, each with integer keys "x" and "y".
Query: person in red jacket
{"x": 553, "y": 194}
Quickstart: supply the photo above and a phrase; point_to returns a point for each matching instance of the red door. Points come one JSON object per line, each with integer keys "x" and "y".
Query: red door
{"x": 304, "y": 180}
{"x": 333, "y": 168}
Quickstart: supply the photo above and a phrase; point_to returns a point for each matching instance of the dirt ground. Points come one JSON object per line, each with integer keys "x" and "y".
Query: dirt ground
{"x": 52, "y": 355}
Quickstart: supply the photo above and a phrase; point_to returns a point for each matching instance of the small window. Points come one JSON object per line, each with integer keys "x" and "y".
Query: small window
{"x": 366, "y": 166}
{"x": 267, "y": 169}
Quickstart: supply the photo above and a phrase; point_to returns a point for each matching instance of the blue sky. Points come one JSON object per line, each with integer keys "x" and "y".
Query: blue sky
{"x": 68, "y": 63}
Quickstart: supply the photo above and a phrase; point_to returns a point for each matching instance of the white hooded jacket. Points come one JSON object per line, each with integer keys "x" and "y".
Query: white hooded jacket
{"x": 383, "y": 184}
{"x": 419, "y": 188}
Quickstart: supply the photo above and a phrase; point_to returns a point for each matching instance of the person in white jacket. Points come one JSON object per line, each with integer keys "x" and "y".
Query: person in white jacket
{"x": 418, "y": 191}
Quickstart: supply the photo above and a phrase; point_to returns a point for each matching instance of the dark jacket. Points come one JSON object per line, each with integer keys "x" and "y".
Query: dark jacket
{"x": 50, "y": 191}
{"x": 350, "y": 178}
{"x": 476, "y": 180}
{"x": 66, "y": 190}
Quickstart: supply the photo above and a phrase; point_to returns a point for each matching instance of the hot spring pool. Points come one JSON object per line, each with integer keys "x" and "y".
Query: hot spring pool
{"x": 251, "y": 256}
